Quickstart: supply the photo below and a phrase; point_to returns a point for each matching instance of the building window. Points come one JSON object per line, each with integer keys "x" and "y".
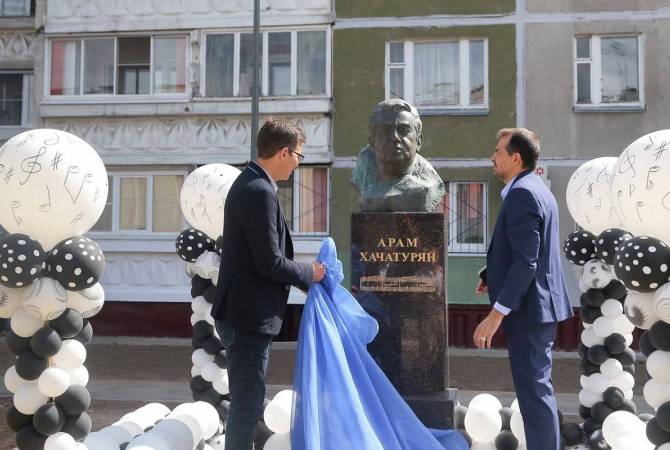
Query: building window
{"x": 132, "y": 65}
{"x": 293, "y": 63}
{"x": 14, "y": 8}
{"x": 442, "y": 75}
{"x": 465, "y": 210}
{"x": 15, "y": 99}
{"x": 142, "y": 203}
{"x": 304, "y": 199}
{"x": 608, "y": 71}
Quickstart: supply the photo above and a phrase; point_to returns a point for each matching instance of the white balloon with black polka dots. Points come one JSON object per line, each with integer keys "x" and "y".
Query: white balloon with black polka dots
{"x": 192, "y": 243}
{"x": 45, "y": 298}
{"x": 77, "y": 263}
{"x": 21, "y": 260}
{"x": 643, "y": 263}
{"x": 88, "y": 301}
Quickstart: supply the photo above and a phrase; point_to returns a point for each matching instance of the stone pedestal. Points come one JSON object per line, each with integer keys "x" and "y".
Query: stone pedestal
{"x": 398, "y": 276}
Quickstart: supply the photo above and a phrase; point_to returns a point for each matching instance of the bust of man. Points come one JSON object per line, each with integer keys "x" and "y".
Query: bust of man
{"x": 390, "y": 175}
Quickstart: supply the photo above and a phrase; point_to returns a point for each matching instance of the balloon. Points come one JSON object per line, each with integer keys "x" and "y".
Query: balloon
{"x": 208, "y": 417}
{"x": 218, "y": 442}
{"x": 13, "y": 380}
{"x": 59, "y": 441}
{"x": 625, "y": 381}
{"x": 613, "y": 397}
{"x": 603, "y": 327}
{"x": 77, "y": 263}
{"x": 190, "y": 421}
{"x": 201, "y": 358}
{"x": 78, "y": 426}
{"x": 642, "y": 263}
{"x": 597, "y": 274}
{"x": 48, "y": 419}
{"x": 10, "y": 301}
{"x": 176, "y": 432}
{"x": 88, "y": 301}
{"x": 579, "y": 247}
{"x": 659, "y": 335}
{"x": 191, "y": 244}
{"x": 277, "y": 414}
{"x": 150, "y": 441}
{"x": 661, "y": 302}
{"x": 516, "y": 424}
{"x": 588, "y": 398}
{"x": 220, "y": 384}
{"x": 29, "y": 366}
{"x": 71, "y": 355}
{"x": 100, "y": 441}
{"x": 28, "y": 438}
{"x": 622, "y": 325}
{"x": 207, "y": 265}
{"x": 45, "y": 299}
{"x": 117, "y": 433}
{"x": 24, "y": 324}
{"x": 279, "y": 441}
{"x": 639, "y": 188}
{"x": 60, "y": 189}
{"x": 607, "y": 243}
{"x": 75, "y": 400}
{"x": 590, "y": 339}
{"x": 199, "y": 305}
{"x": 21, "y": 260}
{"x": 612, "y": 308}
{"x": 618, "y": 424}
{"x": 597, "y": 383}
{"x": 68, "y": 324}
{"x": 639, "y": 308}
{"x": 658, "y": 366}
{"x": 486, "y": 401}
{"x": 211, "y": 371}
{"x": 45, "y": 342}
{"x": 28, "y": 398}
{"x": 611, "y": 368}
{"x": 482, "y": 422}
{"x": 588, "y": 195}
{"x": 53, "y": 382}
{"x": 79, "y": 375}
{"x": 203, "y": 196}
{"x": 656, "y": 392}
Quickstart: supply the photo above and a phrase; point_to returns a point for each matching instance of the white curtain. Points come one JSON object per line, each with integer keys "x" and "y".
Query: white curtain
{"x": 436, "y": 74}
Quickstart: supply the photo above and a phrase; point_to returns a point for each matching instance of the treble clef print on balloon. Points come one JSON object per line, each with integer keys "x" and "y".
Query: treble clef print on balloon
{"x": 16, "y": 205}
{"x": 74, "y": 194}
{"x": 628, "y": 163}
{"x": 619, "y": 196}
{"x": 30, "y": 165}
{"x": 665, "y": 203}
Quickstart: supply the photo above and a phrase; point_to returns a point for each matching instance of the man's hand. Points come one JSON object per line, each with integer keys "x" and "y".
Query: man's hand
{"x": 487, "y": 329}
{"x": 318, "y": 271}
{"x": 481, "y": 288}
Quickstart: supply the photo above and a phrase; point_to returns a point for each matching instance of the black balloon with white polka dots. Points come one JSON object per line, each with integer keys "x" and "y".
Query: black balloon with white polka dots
{"x": 607, "y": 243}
{"x": 579, "y": 247}
{"x": 643, "y": 263}
{"x": 191, "y": 243}
{"x": 77, "y": 263}
{"x": 21, "y": 260}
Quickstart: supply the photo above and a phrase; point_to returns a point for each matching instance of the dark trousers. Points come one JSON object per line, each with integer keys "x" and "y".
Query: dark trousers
{"x": 530, "y": 359}
{"x": 247, "y": 356}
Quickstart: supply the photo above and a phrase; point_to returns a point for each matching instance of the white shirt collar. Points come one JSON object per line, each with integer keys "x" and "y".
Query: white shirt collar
{"x": 507, "y": 187}
{"x": 274, "y": 185}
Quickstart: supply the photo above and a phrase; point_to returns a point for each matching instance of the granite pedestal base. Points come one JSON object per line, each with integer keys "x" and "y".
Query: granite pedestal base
{"x": 399, "y": 277}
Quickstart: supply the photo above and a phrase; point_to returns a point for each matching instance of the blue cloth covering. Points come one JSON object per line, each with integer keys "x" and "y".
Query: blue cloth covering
{"x": 342, "y": 399}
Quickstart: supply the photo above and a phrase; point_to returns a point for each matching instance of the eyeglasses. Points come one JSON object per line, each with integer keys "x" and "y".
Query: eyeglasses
{"x": 301, "y": 157}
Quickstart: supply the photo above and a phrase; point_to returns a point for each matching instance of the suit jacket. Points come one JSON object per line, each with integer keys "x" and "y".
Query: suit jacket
{"x": 523, "y": 263}
{"x": 257, "y": 270}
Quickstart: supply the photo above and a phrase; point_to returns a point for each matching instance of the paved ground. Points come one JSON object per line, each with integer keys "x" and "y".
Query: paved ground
{"x": 127, "y": 373}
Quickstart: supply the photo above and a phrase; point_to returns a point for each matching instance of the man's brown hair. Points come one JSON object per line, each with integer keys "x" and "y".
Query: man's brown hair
{"x": 524, "y": 142}
{"x": 277, "y": 133}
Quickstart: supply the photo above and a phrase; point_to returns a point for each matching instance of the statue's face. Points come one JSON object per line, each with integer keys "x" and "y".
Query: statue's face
{"x": 395, "y": 142}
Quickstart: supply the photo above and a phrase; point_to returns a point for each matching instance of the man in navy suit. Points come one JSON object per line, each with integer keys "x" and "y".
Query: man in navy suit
{"x": 525, "y": 282}
{"x": 256, "y": 273}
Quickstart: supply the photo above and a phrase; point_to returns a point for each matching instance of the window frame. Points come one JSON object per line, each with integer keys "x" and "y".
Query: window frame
{"x": 26, "y": 98}
{"x": 464, "y": 248}
{"x": 236, "y": 32}
{"x": 462, "y": 108}
{"x": 116, "y": 175}
{"x": 96, "y": 98}
{"x": 26, "y": 9}
{"x": 295, "y": 197}
{"x": 595, "y": 60}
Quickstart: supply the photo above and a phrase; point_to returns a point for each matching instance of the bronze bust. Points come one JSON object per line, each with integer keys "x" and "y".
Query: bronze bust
{"x": 390, "y": 175}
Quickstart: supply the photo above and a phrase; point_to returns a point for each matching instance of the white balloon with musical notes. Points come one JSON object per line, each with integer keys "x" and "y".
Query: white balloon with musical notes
{"x": 203, "y": 197}
{"x": 640, "y": 186}
{"x": 53, "y": 184}
{"x": 588, "y": 196}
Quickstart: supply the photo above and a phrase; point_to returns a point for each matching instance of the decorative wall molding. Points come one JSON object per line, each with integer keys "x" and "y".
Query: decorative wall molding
{"x": 17, "y": 45}
{"x": 108, "y": 15}
{"x": 183, "y": 140}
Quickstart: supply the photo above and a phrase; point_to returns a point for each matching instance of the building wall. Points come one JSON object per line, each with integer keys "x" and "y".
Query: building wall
{"x": 401, "y": 8}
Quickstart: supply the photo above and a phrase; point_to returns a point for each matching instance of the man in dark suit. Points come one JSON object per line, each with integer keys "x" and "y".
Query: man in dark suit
{"x": 525, "y": 283}
{"x": 256, "y": 273}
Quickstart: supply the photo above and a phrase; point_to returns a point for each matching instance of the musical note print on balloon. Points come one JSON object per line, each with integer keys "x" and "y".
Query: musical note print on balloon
{"x": 46, "y": 207}
{"x": 16, "y": 205}
{"x": 30, "y": 165}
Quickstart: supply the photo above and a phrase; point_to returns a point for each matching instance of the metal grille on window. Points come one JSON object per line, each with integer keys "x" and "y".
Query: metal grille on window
{"x": 464, "y": 208}
{"x": 304, "y": 200}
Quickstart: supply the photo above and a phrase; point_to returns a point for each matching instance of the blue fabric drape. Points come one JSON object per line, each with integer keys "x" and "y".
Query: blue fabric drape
{"x": 342, "y": 398}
